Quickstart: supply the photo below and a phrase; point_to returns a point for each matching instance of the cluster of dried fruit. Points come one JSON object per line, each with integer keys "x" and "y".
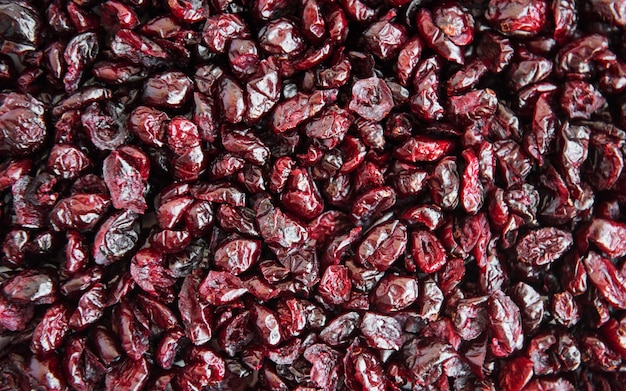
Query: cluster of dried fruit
{"x": 312, "y": 195}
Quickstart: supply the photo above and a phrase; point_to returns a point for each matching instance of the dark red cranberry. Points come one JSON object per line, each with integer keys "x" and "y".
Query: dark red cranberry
{"x": 351, "y": 194}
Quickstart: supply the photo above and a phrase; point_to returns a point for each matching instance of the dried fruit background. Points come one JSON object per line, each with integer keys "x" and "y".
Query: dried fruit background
{"x": 312, "y": 195}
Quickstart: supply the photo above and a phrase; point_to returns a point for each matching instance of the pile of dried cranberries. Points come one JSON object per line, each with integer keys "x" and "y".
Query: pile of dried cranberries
{"x": 312, "y": 195}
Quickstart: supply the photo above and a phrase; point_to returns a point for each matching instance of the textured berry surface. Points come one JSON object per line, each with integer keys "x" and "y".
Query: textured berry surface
{"x": 204, "y": 195}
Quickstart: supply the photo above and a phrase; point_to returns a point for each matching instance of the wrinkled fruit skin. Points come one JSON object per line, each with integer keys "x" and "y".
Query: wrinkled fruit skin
{"x": 384, "y": 195}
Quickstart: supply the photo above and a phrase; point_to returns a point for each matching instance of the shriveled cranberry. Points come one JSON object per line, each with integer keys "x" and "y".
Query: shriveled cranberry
{"x": 170, "y": 241}
{"x": 604, "y": 235}
{"x": 301, "y": 197}
{"x": 506, "y": 324}
{"x": 167, "y": 90}
{"x": 580, "y": 99}
{"x": 148, "y": 124}
{"x": 278, "y": 228}
{"x": 67, "y": 162}
{"x": 373, "y": 202}
{"x": 23, "y": 127}
{"x": 455, "y": 22}
{"x": 90, "y": 307}
{"x": 437, "y": 38}
{"x": 339, "y": 329}
{"x": 238, "y": 255}
{"x": 427, "y": 251}
{"x": 335, "y": 285}
{"x": 80, "y": 52}
{"x": 467, "y": 77}
{"x": 104, "y": 126}
{"x": 325, "y": 362}
{"x": 426, "y": 357}
{"x": 131, "y": 375}
{"x": 126, "y": 172}
{"x": 606, "y": 278}
{"x": 292, "y": 112}
{"x": 471, "y": 317}
{"x": 371, "y": 99}
{"x": 543, "y": 246}
{"x": 420, "y": 148}
{"x": 281, "y": 36}
{"x": 149, "y": 272}
{"x": 116, "y": 237}
{"x": 519, "y": 17}
{"x": 30, "y": 286}
{"x": 51, "y": 331}
{"x": 408, "y": 59}
{"x": 613, "y": 331}
{"x": 221, "y": 288}
{"x": 598, "y": 354}
{"x": 497, "y": 50}
{"x": 383, "y": 245}
{"x": 383, "y": 332}
{"x": 565, "y": 19}
{"x": 395, "y": 293}
{"x": 384, "y": 39}
{"x": 425, "y": 102}
{"x": 530, "y": 304}
{"x": 80, "y": 211}
{"x": 116, "y": 15}
{"x": 197, "y": 316}
{"x": 566, "y": 310}
{"x": 576, "y": 57}
{"x": 13, "y": 170}
{"x": 266, "y": 324}
{"x": 189, "y": 11}
{"x": 262, "y": 90}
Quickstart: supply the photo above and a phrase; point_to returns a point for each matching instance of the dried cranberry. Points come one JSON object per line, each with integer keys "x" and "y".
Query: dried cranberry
{"x": 126, "y": 172}
{"x": 371, "y": 99}
{"x": 167, "y": 90}
{"x": 519, "y": 17}
{"x": 358, "y": 194}
{"x": 23, "y": 127}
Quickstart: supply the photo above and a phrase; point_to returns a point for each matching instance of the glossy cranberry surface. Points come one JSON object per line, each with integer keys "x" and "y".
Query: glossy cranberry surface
{"x": 312, "y": 195}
